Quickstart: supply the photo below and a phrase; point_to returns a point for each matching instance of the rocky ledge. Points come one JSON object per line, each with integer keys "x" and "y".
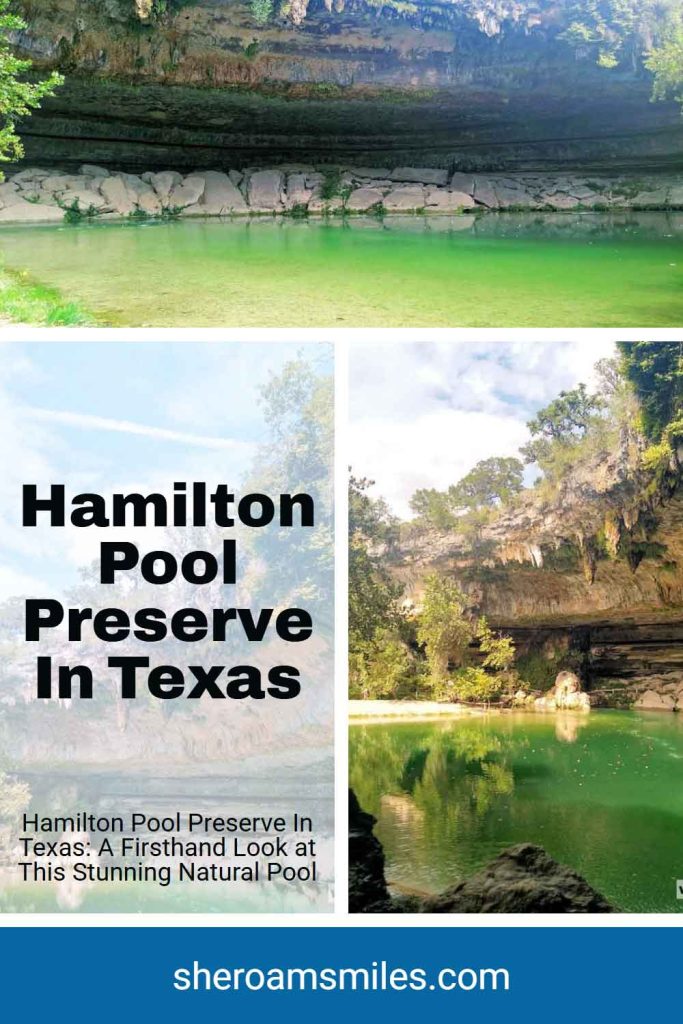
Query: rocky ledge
{"x": 39, "y": 194}
{"x": 521, "y": 880}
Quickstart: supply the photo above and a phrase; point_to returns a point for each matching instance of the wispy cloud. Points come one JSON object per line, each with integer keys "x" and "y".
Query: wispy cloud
{"x": 423, "y": 414}
{"x": 87, "y": 422}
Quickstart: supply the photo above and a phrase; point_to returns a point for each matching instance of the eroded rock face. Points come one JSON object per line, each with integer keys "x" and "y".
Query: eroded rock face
{"x": 476, "y": 86}
{"x": 368, "y": 893}
{"x": 522, "y": 880}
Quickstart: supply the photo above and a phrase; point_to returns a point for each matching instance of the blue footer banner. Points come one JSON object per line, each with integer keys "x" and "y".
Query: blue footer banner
{"x": 153, "y": 974}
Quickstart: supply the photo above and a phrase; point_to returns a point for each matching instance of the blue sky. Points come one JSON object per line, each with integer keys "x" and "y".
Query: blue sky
{"x": 423, "y": 414}
{"x": 119, "y": 416}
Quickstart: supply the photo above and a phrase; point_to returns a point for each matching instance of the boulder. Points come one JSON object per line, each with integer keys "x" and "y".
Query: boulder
{"x": 163, "y": 182}
{"x": 64, "y": 182}
{"x": 30, "y": 174}
{"x": 421, "y": 175}
{"x": 442, "y": 200}
{"x": 565, "y": 695}
{"x": 85, "y": 198}
{"x": 9, "y": 193}
{"x": 364, "y": 199}
{"x": 408, "y": 198}
{"x": 236, "y": 177}
{"x": 485, "y": 194}
{"x": 653, "y": 701}
{"x": 220, "y": 196}
{"x": 515, "y": 196}
{"x": 150, "y": 203}
{"x": 521, "y": 880}
{"x": 461, "y": 182}
{"x": 188, "y": 193}
{"x": 118, "y": 198}
{"x": 265, "y": 191}
{"x": 135, "y": 185}
{"x": 24, "y": 212}
{"x": 93, "y": 171}
{"x": 298, "y": 191}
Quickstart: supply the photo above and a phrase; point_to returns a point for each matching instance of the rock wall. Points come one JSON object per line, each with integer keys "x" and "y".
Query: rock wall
{"x": 589, "y": 579}
{"x": 40, "y": 194}
{"x": 208, "y": 84}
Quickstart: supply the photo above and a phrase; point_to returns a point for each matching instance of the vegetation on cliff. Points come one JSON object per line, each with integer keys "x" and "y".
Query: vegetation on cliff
{"x": 605, "y": 462}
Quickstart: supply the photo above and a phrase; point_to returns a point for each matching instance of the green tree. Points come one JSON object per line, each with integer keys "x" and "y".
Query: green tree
{"x": 492, "y": 482}
{"x": 498, "y": 648}
{"x": 373, "y": 595}
{"x": 564, "y": 421}
{"x": 488, "y": 485}
{"x": 18, "y": 96}
{"x": 433, "y": 507}
{"x": 379, "y": 667}
{"x": 655, "y": 370}
{"x": 443, "y": 628}
{"x": 472, "y": 684}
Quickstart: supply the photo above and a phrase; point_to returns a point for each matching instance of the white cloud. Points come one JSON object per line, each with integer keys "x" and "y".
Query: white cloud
{"x": 423, "y": 414}
{"x": 87, "y": 422}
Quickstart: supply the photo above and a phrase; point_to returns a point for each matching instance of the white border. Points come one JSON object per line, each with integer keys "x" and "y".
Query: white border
{"x": 341, "y": 338}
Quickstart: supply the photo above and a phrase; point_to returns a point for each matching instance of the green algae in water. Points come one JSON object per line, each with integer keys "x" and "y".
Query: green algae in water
{"x": 600, "y": 792}
{"x": 506, "y": 270}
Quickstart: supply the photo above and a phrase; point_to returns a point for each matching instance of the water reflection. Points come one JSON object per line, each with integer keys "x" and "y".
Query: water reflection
{"x": 450, "y": 796}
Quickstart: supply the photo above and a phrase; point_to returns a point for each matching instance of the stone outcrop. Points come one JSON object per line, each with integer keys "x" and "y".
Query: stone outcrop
{"x": 587, "y": 578}
{"x": 36, "y": 193}
{"x": 521, "y": 880}
{"x": 466, "y": 85}
{"x": 368, "y": 893}
{"x": 565, "y": 695}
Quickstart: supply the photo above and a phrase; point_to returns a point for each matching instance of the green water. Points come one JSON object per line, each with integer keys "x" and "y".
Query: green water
{"x": 602, "y": 793}
{"x": 506, "y": 270}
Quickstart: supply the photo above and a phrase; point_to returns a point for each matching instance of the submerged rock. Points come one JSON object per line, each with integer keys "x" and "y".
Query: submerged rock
{"x": 521, "y": 880}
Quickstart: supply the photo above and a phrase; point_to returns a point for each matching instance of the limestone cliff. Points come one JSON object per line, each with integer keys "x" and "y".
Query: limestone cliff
{"x": 465, "y": 84}
{"x": 589, "y": 575}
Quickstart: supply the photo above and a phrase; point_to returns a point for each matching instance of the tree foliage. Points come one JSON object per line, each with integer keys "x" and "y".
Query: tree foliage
{"x": 18, "y": 95}
{"x": 655, "y": 369}
{"x": 491, "y": 483}
{"x": 443, "y": 628}
{"x": 564, "y": 421}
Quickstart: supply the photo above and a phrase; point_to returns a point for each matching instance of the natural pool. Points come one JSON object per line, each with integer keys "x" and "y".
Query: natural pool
{"x": 602, "y": 793}
{"x": 505, "y": 270}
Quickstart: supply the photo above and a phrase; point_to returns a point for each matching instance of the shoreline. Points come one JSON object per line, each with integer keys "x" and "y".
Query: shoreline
{"x": 376, "y": 709}
{"x": 35, "y": 195}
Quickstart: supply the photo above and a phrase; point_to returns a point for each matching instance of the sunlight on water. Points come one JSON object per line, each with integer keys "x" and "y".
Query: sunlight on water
{"x": 586, "y": 270}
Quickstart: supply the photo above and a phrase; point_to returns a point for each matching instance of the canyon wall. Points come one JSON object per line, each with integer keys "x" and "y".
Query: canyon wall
{"x": 589, "y": 578}
{"x": 211, "y": 84}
